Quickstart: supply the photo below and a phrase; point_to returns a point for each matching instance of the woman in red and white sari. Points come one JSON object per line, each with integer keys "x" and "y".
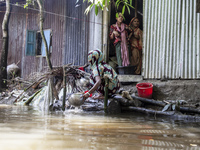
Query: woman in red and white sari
{"x": 119, "y": 35}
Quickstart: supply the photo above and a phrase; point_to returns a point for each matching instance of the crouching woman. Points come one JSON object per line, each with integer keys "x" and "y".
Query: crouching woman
{"x": 101, "y": 71}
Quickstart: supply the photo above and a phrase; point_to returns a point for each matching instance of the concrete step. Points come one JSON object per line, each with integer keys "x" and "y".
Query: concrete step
{"x": 130, "y": 78}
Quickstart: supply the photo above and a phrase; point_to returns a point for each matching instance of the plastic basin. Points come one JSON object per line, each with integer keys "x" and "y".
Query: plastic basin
{"x": 145, "y": 90}
{"x": 126, "y": 69}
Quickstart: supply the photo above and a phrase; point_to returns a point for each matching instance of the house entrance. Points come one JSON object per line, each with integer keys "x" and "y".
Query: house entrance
{"x": 126, "y": 60}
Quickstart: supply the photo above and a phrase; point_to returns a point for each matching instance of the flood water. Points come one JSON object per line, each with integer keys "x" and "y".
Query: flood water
{"x": 26, "y": 128}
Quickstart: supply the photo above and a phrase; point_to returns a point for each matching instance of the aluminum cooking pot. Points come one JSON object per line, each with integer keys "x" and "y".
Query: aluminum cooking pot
{"x": 76, "y": 99}
{"x": 84, "y": 82}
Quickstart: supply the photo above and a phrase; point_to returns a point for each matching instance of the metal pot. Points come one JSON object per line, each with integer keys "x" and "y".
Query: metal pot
{"x": 84, "y": 82}
{"x": 76, "y": 99}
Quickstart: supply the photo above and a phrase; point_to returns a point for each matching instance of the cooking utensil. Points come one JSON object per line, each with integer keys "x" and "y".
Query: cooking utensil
{"x": 76, "y": 99}
{"x": 84, "y": 82}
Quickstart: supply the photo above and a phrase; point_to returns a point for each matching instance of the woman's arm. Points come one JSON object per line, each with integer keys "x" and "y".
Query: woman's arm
{"x": 112, "y": 36}
{"x": 95, "y": 87}
{"x": 113, "y": 33}
{"x": 130, "y": 35}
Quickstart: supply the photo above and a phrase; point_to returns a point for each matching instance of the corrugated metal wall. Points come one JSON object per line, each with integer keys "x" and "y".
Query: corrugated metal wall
{"x": 69, "y": 26}
{"x": 54, "y": 20}
{"x": 76, "y": 30}
{"x": 95, "y": 32}
{"x": 2, "y": 9}
{"x": 171, "y": 39}
{"x": 22, "y": 20}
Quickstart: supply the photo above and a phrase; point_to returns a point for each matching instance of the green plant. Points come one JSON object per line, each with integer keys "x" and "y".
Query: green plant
{"x": 27, "y": 3}
{"x": 13, "y": 74}
{"x": 103, "y": 4}
{"x": 3, "y": 68}
{"x": 174, "y": 105}
{"x": 126, "y": 4}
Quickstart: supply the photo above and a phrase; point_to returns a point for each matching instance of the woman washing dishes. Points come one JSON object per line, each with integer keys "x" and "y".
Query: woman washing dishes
{"x": 100, "y": 71}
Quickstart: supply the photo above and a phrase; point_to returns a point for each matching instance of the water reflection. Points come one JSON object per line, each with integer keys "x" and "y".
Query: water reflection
{"x": 26, "y": 128}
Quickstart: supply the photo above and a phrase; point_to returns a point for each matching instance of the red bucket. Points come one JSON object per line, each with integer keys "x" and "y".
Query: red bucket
{"x": 145, "y": 90}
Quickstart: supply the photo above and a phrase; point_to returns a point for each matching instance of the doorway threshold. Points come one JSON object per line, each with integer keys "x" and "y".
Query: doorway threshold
{"x": 130, "y": 78}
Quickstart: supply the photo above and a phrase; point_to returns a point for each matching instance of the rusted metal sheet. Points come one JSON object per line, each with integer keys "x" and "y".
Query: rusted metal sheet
{"x": 171, "y": 39}
{"x": 69, "y": 28}
{"x": 76, "y": 39}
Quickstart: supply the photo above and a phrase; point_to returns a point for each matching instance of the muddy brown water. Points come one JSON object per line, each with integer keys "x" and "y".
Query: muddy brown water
{"x": 26, "y": 128}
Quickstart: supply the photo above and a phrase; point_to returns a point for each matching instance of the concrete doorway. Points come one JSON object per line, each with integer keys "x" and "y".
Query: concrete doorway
{"x": 136, "y": 12}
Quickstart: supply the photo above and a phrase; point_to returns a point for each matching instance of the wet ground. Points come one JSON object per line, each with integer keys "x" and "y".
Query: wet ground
{"x": 26, "y": 128}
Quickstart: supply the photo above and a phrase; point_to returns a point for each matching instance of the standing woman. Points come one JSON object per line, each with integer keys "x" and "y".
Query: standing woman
{"x": 118, "y": 33}
{"x": 101, "y": 71}
{"x": 136, "y": 37}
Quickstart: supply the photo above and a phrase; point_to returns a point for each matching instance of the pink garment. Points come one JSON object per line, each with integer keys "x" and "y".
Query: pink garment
{"x": 124, "y": 47}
